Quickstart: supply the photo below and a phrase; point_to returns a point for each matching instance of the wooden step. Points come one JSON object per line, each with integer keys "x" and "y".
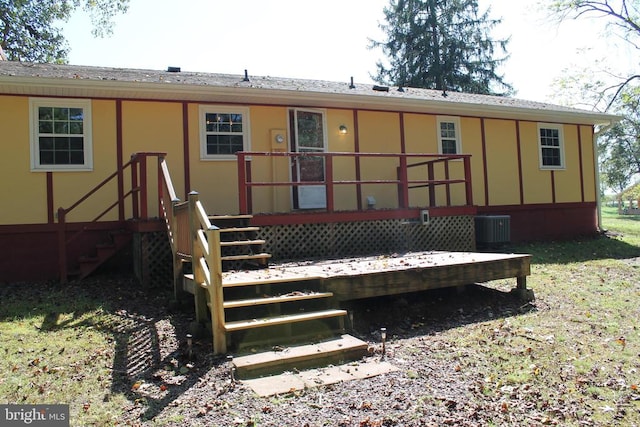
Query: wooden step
{"x": 297, "y": 296}
{"x": 282, "y": 320}
{"x": 335, "y": 351}
{"x": 245, "y": 257}
{"x": 243, "y": 243}
{"x": 239, "y": 229}
{"x": 229, "y": 217}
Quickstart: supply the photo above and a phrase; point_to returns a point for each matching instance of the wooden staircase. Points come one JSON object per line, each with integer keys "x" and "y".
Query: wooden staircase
{"x": 115, "y": 241}
{"x": 251, "y": 315}
{"x": 238, "y": 243}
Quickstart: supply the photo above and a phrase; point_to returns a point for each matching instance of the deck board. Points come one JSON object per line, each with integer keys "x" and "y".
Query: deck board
{"x": 365, "y": 277}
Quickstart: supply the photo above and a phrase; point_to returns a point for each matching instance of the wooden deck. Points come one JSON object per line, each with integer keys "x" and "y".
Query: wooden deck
{"x": 366, "y": 277}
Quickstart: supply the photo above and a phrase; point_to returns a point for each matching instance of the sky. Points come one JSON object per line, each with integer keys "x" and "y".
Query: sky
{"x": 325, "y": 40}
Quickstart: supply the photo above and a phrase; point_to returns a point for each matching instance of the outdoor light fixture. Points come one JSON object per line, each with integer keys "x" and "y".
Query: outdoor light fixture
{"x": 343, "y": 130}
{"x": 190, "y": 346}
{"x": 383, "y": 337}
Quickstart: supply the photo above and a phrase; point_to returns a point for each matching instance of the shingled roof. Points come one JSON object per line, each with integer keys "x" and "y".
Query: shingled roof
{"x": 121, "y": 83}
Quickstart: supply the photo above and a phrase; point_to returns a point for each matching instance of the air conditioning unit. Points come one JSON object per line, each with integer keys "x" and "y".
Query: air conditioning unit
{"x": 492, "y": 229}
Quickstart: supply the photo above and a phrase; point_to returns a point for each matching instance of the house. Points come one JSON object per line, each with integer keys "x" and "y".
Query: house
{"x": 330, "y": 167}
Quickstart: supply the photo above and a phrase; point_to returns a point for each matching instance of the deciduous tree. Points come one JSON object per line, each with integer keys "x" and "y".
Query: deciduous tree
{"x": 30, "y": 31}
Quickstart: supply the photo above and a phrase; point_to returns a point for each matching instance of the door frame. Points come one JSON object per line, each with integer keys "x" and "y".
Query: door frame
{"x": 294, "y": 147}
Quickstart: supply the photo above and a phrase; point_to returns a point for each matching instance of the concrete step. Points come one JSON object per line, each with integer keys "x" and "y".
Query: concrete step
{"x": 331, "y": 352}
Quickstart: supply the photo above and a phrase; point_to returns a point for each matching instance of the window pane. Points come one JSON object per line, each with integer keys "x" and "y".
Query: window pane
{"x": 61, "y": 133}
{"x": 310, "y": 132}
{"x": 61, "y": 127}
{"x": 76, "y": 157}
{"x": 76, "y": 143}
{"x": 224, "y": 133}
{"x": 45, "y": 127}
{"x": 61, "y": 144}
{"x": 551, "y": 157}
{"x": 449, "y": 146}
{"x": 447, "y": 129}
{"x": 45, "y": 113}
{"x": 76, "y": 114}
{"x": 61, "y": 113}
{"x": 46, "y": 143}
{"x": 61, "y": 157}
{"x": 46, "y": 157}
{"x": 75, "y": 128}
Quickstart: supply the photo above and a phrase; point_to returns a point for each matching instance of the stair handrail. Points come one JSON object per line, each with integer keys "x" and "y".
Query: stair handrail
{"x": 175, "y": 213}
{"x": 138, "y": 192}
{"x": 206, "y": 263}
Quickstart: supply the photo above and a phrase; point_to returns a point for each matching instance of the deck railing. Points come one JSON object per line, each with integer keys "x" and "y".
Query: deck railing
{"x": 206, "y": 263}
{"x": 404, "y": 184}
{"x": 137, "y": 193}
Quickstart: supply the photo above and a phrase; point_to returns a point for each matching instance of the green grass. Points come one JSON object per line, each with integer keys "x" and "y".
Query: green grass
{"x": 574, "y": 359}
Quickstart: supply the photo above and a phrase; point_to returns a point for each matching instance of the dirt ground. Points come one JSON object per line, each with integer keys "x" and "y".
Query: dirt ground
{"x": 167, "y": 384}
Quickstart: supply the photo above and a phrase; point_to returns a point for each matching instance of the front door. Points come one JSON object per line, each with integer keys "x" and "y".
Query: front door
{"x": 308, "y": 136}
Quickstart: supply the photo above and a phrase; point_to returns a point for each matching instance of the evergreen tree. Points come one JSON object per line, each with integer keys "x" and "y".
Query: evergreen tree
{"x": 28, "y": 30}
{"x": 441, "y": 44}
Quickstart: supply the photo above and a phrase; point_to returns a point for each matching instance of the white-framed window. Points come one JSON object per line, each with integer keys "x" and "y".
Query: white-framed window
{"x": 224, "y": 130}
{"x": 550, "y": 146}
{"x": 60, "y": 132}
{"x": 449, "y": 141}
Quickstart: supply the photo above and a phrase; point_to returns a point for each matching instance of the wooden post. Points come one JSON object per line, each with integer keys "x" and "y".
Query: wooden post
{"x": 62, "y": 246}
{"x": 328, "y": 179}
{"x": 242, "y": 185}
{"x": 199, "y": 294}
{"x": 403, "y": 187}
{"x": 134, "y": 186}
{"x": 432, "y": 188}
{"x": 216, "y": 296}
{"x": 467, "y": 178}
{"x": 144, "y": 207}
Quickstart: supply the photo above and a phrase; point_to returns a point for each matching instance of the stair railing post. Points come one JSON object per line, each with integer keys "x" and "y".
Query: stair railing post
{"x": 199, "y": 294}
{"x": 216, "y": 293}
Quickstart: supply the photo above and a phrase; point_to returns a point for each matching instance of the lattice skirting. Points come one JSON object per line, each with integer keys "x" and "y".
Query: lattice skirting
{"x": 152, "y": 259}
{"x": 304, "y": 241}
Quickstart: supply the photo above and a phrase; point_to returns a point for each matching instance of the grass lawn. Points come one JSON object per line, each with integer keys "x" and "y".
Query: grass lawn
{"x": 109, "y": 349}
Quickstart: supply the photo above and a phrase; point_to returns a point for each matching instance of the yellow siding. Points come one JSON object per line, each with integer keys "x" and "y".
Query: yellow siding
{"x": 588, "y": 164}
{"x": 502, "y": 162}
{"x": 104, "y": 164}
{"x": 536, "y": 182}
{"x": 379, "y": 133}
{"x": 344, "y": 169}
{"x": 419, "y": 137}
{"x": 217, "y": 180}
{"x": 568, "y": 180}
{"x": 23, "y": 193}
{"x": 471, "y": 134}
{"x": 157, "y": 127}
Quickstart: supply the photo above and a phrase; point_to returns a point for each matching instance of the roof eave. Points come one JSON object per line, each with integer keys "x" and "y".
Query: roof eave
{"x": 266, "y": 96}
